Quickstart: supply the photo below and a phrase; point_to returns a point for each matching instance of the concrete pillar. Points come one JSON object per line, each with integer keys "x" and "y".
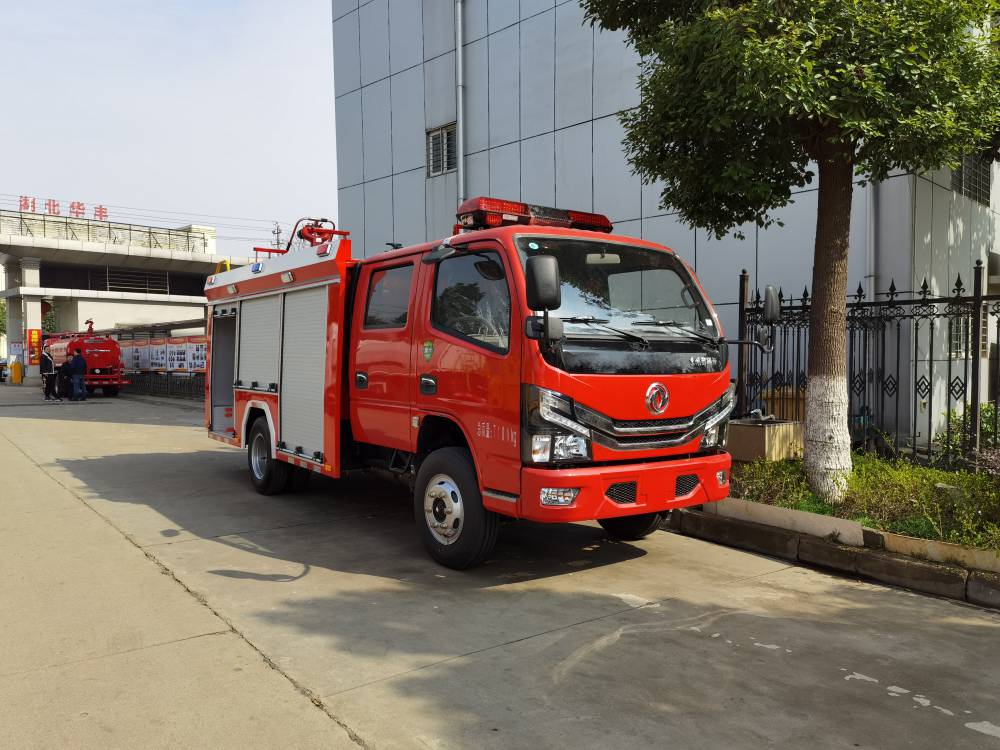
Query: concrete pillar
{"x": 30, "y": 277}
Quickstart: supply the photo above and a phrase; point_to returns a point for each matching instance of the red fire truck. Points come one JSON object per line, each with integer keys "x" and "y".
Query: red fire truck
{"x": 105, "y": 369}
{"x": 533, "y": 365}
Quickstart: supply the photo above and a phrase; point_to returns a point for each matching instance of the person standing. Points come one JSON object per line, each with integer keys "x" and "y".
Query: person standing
{"x": 78, "y": 369}
{"x": 65, "y": 380}
{"x": 48, "y": 371}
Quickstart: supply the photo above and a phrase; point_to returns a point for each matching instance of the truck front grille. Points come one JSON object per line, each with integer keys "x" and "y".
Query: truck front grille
{"x": 622, "y": 493}
{"x": 685, "y": 485}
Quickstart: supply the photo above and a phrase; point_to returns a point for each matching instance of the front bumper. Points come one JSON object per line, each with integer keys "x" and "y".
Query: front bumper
{"x": 655, "y": 489}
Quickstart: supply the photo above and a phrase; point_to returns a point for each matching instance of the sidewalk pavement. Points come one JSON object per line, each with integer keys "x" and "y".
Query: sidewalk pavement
{"x": 101, "y": 647}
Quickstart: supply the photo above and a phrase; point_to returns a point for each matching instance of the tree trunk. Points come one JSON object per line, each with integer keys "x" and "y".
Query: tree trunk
{"x": 827, "y": 439}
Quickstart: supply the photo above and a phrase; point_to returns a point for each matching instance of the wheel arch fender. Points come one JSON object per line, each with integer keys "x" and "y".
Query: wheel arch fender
{"x": 255, "y": 409}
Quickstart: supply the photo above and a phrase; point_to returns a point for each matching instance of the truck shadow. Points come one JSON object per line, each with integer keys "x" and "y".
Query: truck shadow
{"x": 360, "y": 524}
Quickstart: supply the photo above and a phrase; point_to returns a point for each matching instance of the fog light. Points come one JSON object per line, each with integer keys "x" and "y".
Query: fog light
{"x": 540, "y": 447}
{"x": 558, "y": 495}
{"x": 711, "y": 437}
{"x": 721, "y": 477}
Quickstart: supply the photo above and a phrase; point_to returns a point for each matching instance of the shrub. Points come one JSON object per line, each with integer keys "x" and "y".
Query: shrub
{"x": 893, "y": 495}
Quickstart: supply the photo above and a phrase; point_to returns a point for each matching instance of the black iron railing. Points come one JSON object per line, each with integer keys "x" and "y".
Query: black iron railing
{"x": 919, "y": 367}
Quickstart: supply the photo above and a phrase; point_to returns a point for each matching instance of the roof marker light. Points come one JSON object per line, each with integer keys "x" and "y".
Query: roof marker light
{"x": 483, "y": 212}
{"x": 287, "y": 277}
{"x": 231, "y": 288}
{"x": 211, "y": 281}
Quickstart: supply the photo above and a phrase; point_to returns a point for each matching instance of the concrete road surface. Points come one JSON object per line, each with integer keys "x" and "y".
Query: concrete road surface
{"x": 150, "y": 598}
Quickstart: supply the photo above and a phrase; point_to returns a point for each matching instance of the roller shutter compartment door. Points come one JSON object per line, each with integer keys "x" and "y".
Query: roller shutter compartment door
{"x": 260, "y": 322}
{"x": 303, "y": 370}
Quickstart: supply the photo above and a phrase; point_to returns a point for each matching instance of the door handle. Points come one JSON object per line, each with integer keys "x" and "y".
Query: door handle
{"x": 428, "y": 385}
{"x": 361, "y": 380}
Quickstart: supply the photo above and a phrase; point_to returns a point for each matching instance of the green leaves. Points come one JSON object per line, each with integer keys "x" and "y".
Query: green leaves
{"x": 738, "y": 97}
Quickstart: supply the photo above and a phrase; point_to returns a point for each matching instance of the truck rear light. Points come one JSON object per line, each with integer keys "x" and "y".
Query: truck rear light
{"x": 558, "y": 496}
{"x": 482, "y": 212}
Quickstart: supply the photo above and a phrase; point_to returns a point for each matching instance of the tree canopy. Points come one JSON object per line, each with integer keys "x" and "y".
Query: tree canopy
{"x": 738, "y": 99}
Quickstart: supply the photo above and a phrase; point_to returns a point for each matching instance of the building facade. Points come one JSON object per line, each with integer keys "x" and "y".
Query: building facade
{"x": 541, "y": 94}
{"x": 75, "y": 269}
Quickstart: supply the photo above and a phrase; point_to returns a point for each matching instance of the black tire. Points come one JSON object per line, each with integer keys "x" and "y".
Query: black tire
{"x": 632, "y": 528}
{"x": 110, "y": 390}
{"x": 477, "y": 530}
{"x": 269, "y": 476}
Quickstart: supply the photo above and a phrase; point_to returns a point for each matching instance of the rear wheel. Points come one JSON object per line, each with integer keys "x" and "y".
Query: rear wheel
{"x": 269, "y": 476}
{"x": 454, "y": 526}
{"x": 631, "y": 528}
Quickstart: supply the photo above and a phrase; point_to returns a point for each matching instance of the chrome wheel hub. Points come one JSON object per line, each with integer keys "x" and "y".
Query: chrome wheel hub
{"x": 444, "y": 510}
{"x": 259, "y": 456}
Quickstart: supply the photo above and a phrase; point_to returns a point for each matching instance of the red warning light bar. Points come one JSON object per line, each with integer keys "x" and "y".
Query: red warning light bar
{"x": 482, "y": 213}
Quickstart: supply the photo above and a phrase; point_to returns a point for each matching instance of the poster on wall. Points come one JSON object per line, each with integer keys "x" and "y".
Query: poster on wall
{"x": 157, "y": 354}
{"x": 140, "y": 355}
{"x": 34, "y": 346}
{"x": 126, "y": 349}
{"x": 177, "y": 354}
{"x": 197, "y": 348}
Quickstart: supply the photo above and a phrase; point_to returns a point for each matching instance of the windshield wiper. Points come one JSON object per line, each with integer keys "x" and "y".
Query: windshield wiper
{"x": 602, "y": 323}
{"x": 678, "y": 327}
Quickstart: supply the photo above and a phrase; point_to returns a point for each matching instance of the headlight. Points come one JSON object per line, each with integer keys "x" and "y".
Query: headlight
{"x": 550, "y": 431}
{"x": 716, "y": 426}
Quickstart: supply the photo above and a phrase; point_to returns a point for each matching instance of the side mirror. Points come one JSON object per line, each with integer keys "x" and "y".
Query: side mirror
{"x": 772, "y": 307}
{"x": 541, "y": 281}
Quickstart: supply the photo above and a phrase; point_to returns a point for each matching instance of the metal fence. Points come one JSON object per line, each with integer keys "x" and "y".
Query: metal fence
{"x": 921, "y": 370}
{"x": 68, "y": 228}
{"x": 190, "y": 385}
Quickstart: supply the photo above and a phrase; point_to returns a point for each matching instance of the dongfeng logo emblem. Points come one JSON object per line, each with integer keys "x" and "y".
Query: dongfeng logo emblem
{"x": 657, "y": 398}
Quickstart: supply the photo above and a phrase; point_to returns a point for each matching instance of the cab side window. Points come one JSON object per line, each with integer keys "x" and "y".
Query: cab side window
{"x": 388, "y": 297}
{"x": 472, "y": 299}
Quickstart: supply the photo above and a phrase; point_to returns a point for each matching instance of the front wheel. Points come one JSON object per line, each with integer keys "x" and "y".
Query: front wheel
{"x": 632, "y": 528}
{"x": 269, "y": 476}
{"x": 454, "y": 526}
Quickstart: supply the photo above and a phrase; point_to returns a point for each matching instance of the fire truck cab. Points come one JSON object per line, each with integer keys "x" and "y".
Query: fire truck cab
{"x": 534, "y": 365}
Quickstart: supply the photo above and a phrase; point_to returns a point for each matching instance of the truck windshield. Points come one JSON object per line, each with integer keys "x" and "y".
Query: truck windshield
{"x": 606, "y": 285}
{"x": 628, "y": 310}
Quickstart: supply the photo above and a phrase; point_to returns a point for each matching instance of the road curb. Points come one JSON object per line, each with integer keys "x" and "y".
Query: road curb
{"x": 941, "y": 579}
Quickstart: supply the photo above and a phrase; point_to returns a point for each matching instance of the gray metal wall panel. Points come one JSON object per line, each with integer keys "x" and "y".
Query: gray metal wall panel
{"x": 531, "y": 7}
{"x": 477, "y": 174}
{"x": 477, "y": 97}
{"x": 651, "y": 200}
{"x": 376, "y": 123}
{"x": 617, "y": 191}
{"x": 303, "y": 369}
{"x": 347, "y": 65}
{"x": 343, "y": 7}
{"x": 439, "y": 91}
{"x": 537, "y": 66}
{"x": 720, "y": 261}
{"x": 442, "y": 195}
{"x": 374, "y": 41}
{"x": 378, "y": 215}
{"x": 439, "y": 27}
{"x": 408, "y": 140}
{"x": 785, "y": 254}
{"x": 505, "y": 172}
{"x": 538, "y": 170}
{"x": 473, "y": 19}
{"x": 504, "y": 87}
{"x": 408, "y": 217}
{"x": 616, "y": 71}
{"x": 259, "y": 329}
{"x": 351, "y": 216}
{"x": 406, "y": 38}
{"x": 500, "y": 13}
{"x": 574, "y": 66}
{"x": 350, "y": 165}
{"x": 574, "y": 168}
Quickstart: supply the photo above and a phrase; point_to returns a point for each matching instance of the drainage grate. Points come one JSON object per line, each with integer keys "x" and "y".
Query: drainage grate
{"x": 685, "y": 485}
{"x": 621, "y": 492}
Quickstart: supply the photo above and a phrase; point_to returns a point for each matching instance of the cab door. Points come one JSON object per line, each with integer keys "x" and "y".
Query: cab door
{"x": 467, "y": 359}
{"x": 382, "y": 386}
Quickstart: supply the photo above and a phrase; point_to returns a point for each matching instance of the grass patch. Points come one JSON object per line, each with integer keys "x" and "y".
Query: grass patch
{"x": 892, "y": 495}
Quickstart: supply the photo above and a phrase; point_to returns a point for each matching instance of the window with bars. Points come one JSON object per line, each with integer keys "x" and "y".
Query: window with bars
{"x": 972, "y": 179}
{"x": 441, "y": 150}
{"x": 960, "y": 344}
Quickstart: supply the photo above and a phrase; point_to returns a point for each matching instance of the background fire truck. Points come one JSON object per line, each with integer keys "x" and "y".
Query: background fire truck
{"x": 105, "y": 369}
{"x": 532, "y": 366}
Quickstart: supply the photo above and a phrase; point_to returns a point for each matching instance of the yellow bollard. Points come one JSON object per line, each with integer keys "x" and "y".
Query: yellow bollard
{"x": 17, "y": 373}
